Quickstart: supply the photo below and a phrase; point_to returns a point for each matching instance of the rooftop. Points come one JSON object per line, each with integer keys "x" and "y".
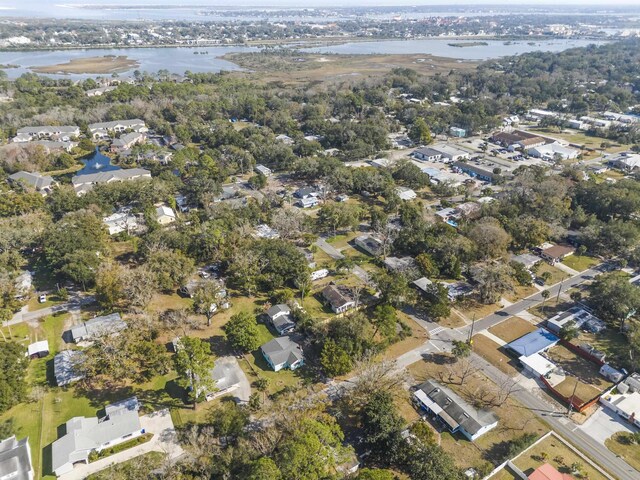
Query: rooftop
{"x": 15, "y": 459}
{"x": 533, "y": 342}
{"x": 282, "y": 350}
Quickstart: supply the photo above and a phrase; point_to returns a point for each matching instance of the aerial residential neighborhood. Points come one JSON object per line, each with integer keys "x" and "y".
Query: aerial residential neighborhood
{"x": 374, "y": 259}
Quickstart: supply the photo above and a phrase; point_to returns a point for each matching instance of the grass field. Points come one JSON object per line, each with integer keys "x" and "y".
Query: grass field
{"x": 556, "y": 275}
{"x": 418, "y": 337}
{"x": 514, "y": 418}
{"x": 611, "y": 341}
{"x": 151, "y": 461}
{"x": 494, "y": 354}
{"x": 580, "y": 263}
{"x": 620, "y": 445}
{"x": 512, "y": 328}
{"x": 520, "y": 292}
{"x": 555, "y": 451}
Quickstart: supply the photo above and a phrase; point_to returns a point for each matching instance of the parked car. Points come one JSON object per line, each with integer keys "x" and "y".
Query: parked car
{"x": 42, "y": 298}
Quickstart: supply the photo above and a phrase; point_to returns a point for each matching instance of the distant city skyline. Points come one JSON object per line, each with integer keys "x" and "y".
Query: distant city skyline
{"x": 27, "y": 4}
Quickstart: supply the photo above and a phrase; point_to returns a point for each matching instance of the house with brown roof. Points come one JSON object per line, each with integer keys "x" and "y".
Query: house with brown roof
{"x": 338, "y": 299}
{"x": 556, "y": 253}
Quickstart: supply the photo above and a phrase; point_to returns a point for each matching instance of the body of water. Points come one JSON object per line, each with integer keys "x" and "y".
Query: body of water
{"x": 95, "y": 163}
{"x": 180, "y": 59}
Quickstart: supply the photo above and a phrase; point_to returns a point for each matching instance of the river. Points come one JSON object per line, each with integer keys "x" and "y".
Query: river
{"x": 180, "y": 59}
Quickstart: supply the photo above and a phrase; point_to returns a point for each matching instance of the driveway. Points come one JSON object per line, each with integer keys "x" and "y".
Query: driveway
{"x": 164, "y": 440}
{"x": 604, "y": 423}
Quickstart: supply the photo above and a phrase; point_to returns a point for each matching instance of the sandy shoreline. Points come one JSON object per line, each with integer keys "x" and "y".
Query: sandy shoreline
{"x": 97, "y": 65}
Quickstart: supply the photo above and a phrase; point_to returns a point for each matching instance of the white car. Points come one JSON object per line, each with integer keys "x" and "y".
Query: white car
{"x": 42, "y": 298}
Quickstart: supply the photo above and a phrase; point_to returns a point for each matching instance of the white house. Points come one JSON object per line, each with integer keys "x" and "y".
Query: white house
{"x": 281, "y": 353}
{"x": 165, "y": 215}
{"x": 91, "y": 434}
{"x": 405, "y": 193}
{"x": 60, "y": 132}
{"x": 369, "y": 244}
{"x": 102, "y": 129}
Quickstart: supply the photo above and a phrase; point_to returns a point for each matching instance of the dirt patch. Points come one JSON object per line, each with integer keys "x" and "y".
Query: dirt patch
{"x": 106, "y": 64}
{"x": 511, "y": 329}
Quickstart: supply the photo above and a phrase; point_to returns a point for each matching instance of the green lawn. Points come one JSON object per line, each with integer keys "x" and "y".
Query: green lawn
{"x": 148, "y": 461}
{"x": 620, "y": 444}
{"x": 580, "y": 263}
{"x": 557, "y": 275}
{"x": 33, "y": 304}
{"x": 16, "y": 333}
{"x": 342, "y": 240}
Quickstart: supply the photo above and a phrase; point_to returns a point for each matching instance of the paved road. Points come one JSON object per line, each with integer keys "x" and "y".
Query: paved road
{"x": 26, "y": 316}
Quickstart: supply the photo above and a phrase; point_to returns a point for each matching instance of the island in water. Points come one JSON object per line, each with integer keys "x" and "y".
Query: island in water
{"x": 468, "y": 44}
{"x": 98, "y": 65}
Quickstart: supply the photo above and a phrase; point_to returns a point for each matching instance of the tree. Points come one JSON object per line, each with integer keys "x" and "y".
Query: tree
{"x": 426, "y": 462}
{"x": 334, "y": 216}
{"x": 375, "y": 474}
{"x": 520, "y": 273}
{"x": 13, "y": 371}
{"x": 335, "y": 361}
{"x": 205, "y": 298}
{"x": 545, "y": 294}
{"x": 426, "y": 265}
{"x": 490, "y": 238}
{"x": 228, "y": 420}
{"x": 493, "y": 280}
{"x": 384, "y": 320}
{"x": 382, "y": 427}
{"x": 423, "y": 432}
{"x": 264, "y": 469}
{"x": 258, "y": 181}
{"x": 109, "y": 284}
{"x": 569, "y": 331}
{"x": 242, "y": 332}
{"x": 461, "y": 349}
{"x": 172, "y": 268}
{"x": 613, "y": 298}
{"x": 419, "y": 132}
{"x": 194, "y": 363}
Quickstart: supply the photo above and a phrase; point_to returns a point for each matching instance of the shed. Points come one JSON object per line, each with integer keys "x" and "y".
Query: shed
{"x": 38, "y": 349}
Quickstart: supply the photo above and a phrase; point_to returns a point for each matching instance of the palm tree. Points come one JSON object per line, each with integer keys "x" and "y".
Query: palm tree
{"x": 545, "y": 294}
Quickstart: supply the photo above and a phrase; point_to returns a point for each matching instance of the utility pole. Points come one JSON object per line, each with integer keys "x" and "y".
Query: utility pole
{"x": 559, "y": 290}
{"x": 575, "y": 387}
{"x": 473, "y": 323}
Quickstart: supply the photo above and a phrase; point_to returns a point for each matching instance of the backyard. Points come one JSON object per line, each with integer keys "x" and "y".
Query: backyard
{"x": 582, "y": 375}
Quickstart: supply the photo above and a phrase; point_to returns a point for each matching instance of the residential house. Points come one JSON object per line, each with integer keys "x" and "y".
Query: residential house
{"x": 538, "y": 341}
{"x": 281, "y": 353}
{"x": 85, "y": 435}
{"x": 457, "y": 132}
{"x": 127, "y": 141}
{"x": 308, "y": 202}
{"x": 457, "y": 290}
{"x": 423, "y": 284}
{"x": 262, "y": 170}
{"x": 448, "y": 215}
{"x": 122, "y": 221}
{"x": 286, "y": 139}
{"x": 528, "y": 260}
{"x": 553, "y": 151}
{"x": 280, "y": 317}
{"x": 306, "y": 192}
{"x": 15, "y": 459}
{"x": 580, "y": 318}
{"x": 405, "y": 193}
{"x": 54, "y": 145}
{"x": 59, "y": 132}
{"x": 369, "y": 244}
{"x": 338, "y": 299}
{"x": 165, "y": 215}
{"x": 265, "y": 231}
{"x": 38, "y": 350}
{"x": 555, "y": 253}
{"x": 98, "y": 92}
{"x": 398, "y": 264}
{"x": 468, "y": 210}
{"x": 625, "y": 402}
{"x": 102, "y": 129}
{"x": 41, "y": 183}
{"x": 381, "y": 163}
{"x": 67, "y": 367}
{"x": 453, "y": 412}
{"x": 97, "y": 327}
{"x": 475, "y": 171}
{"x": 548, "y": 472}
{"x": 225, "y": 377}
{"x": 627, "y": 162}
{"x": 83, "y": 183}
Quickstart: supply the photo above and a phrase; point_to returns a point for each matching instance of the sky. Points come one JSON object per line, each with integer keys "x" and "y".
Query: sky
{"x": 308, "y": 3}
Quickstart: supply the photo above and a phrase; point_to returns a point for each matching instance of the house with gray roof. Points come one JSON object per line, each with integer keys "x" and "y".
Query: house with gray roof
{"x": 41, "y": 183}
{"x": 98, "y": 326}
{"x": 46, "y": 132}
{"x": 92, "y": 434}
{"x": 127, "y": 141}
{"x": 282, "y": 352}
{"x": 15, "y": 459}
{"x": 280, "y": 317}
{"x": 83, "y": 183}
{"x": 67, "y": 367}
{"x": 453, "y": 412}
{"x": 102, "y": 129}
